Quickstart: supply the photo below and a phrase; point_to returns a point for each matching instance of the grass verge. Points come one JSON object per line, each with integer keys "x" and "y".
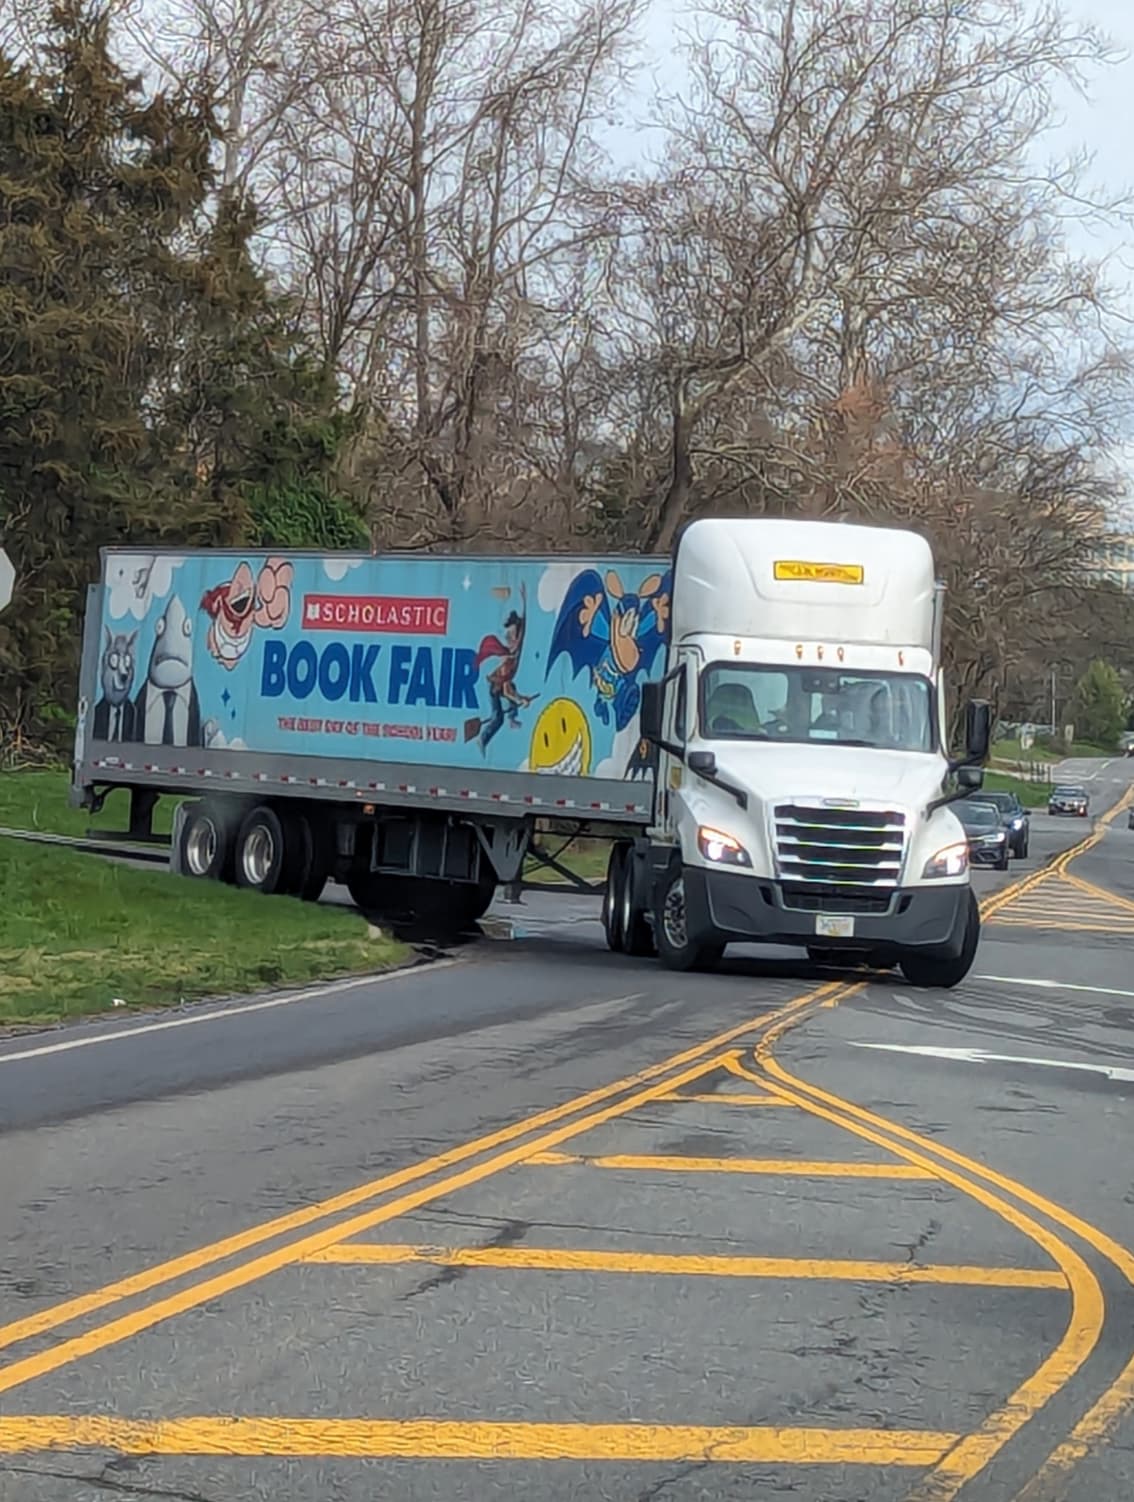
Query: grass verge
{"x": 38, "y": 800}
{"x": 77, "y": 934}
{"x": 1030, "y": 794}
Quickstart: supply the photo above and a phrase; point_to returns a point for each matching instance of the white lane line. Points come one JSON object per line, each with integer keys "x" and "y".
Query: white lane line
{"x": 119, "y": 1035}
{"x": 1052, "y": 985}
{"x": 981, "y": 1056}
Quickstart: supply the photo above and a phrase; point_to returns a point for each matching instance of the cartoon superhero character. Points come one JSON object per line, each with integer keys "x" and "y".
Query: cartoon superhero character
{"x": 242, "y": 603}
{"x": 502, "y": 680}
{"x": 613, "y": 633}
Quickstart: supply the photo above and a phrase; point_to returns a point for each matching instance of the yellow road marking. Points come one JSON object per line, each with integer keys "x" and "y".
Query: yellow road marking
{"x": 435, "y": 1439}
{"x": 555, "y": 1259}
{"x": 795, "y": 1167}
{"x": 975, "y": 1450}
{"x": 229, "y": 1246}
{"x": 724, "y": 1098}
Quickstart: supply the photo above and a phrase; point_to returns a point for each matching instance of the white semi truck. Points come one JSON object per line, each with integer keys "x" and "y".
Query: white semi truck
{"x": 757, "y": 726}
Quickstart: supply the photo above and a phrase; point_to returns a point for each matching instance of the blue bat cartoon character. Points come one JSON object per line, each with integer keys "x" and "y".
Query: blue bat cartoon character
{"x": 615, "y": 634}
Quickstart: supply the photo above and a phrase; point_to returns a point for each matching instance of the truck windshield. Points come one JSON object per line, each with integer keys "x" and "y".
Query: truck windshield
{"x": 753, "y": 702}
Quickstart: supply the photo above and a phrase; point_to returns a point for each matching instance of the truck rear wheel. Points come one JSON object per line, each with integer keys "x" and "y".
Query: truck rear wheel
{"x": 268, "y": 852}
{"x": 421, "y": 901}
{"x": 315, "y": 859}
{"x": 931, "y": 968}
{"x": 675, "y": 950}
{"x": 206, "y": 843}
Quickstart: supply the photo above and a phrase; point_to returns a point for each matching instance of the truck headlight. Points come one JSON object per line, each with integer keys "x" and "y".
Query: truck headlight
{"x": 721, "y": 848}
{"x": 953, "y": 860}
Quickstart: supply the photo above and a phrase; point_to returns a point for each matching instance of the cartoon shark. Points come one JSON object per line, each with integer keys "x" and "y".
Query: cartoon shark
{"x": 167, "y": 711}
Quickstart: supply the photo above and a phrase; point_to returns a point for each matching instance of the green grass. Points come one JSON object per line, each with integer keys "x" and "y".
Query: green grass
{"x": 1044, "y": 750}
{"x": 78, "y": 933}
{"x": 38, "y": 800}
{"x": 1030, "y": 794}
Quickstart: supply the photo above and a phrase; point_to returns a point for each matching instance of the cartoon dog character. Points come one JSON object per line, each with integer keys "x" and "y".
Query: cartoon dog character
{"x": 615, "y": 634}
{"x": 244, "y": 602}
{"x": 167, "y": 711}
{"x": 114, "y": 713}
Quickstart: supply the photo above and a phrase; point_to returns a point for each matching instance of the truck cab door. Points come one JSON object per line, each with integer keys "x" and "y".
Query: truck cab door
{"x": 671, "y": 730}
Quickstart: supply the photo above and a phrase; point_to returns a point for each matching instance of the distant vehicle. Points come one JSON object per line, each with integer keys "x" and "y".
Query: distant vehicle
{"x": 985, "y": 832}
{"x": 1013, "y": 816}
{"x": 1069, "y": 799}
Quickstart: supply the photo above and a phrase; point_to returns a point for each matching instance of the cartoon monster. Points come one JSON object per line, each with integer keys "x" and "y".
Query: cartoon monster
{"x": 242, "y": 603}
{"x": 501, "y": 681}
{"x": 114, "y": 714}
{"x": 167, "y": 711}
{"x": 614, "y": 634}
{"x": 561, "y": 740}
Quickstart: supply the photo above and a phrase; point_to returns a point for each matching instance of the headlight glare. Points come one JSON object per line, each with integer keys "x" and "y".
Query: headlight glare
{"x": 953, "y": 860}
{"x": 722, "y": 849}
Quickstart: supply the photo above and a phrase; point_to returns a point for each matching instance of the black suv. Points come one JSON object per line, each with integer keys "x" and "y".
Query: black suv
{"x": 986, "y": 836}
{"x": 1014, "y": 817}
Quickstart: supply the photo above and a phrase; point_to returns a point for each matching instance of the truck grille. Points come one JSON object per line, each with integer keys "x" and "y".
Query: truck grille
{"x": 840, "y": 846}
{"x": 809, "y": 897}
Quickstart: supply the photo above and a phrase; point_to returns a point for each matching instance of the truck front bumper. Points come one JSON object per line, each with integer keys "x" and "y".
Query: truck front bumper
{"x": 728, "y": 907}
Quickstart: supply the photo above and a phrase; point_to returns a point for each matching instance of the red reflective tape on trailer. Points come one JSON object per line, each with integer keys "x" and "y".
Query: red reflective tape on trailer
{"x": 435, "y": 792}
{"x": 561, "y": 802}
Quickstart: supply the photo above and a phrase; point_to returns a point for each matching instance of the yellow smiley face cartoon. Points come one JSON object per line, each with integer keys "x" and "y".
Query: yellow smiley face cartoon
{"x": 561, "y": 740}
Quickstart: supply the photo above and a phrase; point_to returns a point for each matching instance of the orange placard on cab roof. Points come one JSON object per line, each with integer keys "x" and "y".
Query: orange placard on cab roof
{"x": 818, "y": 573}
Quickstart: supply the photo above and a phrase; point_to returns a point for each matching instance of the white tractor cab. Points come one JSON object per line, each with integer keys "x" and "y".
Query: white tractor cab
{"x": 803, "y": 785}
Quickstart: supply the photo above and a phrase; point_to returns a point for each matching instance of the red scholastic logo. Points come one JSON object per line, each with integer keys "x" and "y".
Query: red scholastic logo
{"x": 375, "y": 613}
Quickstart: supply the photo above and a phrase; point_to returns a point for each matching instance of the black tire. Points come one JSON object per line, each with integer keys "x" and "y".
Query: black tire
{"x": 268, "y": 852}
{"x": 669, "y": 926}
{"x": 930, "y": 969}
{"x": 420, "y": 902}
{"x": 637, "y": 934}
{"x": 612, "y": 898}
{"x": 1003, "y": 865}
{"x": 317, "y": 858}
{"x": 206, "y": 846}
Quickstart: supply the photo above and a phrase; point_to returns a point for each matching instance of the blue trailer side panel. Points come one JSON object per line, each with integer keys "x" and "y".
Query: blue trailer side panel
{"x": 524, "y": 665}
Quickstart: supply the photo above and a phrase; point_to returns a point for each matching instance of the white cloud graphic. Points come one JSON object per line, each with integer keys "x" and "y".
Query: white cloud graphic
{"x": 136, "y": 580}
{"x": 217, "y": 741}
{"x": 624, "y": 742}
{"x": 336, "y": 569}
{"x": 553, "y": 584}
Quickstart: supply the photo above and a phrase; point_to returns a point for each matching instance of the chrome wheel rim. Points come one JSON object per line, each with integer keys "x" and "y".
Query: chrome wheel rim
{"x": 259, "y": 853}
{"x": 673, "y": 916}
{"x": 201, "y": 847}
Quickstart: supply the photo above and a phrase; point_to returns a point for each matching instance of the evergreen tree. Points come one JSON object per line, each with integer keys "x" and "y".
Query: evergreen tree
{"x": 259, "y": 417}
{"x": 96, "y": 182}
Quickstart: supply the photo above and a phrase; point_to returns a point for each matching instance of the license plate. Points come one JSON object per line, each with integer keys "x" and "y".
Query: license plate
{"x": 834, "y": 928}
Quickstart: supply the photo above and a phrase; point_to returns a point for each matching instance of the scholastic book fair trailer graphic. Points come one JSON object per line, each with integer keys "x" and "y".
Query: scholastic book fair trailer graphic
{"x": 526, "y": 665}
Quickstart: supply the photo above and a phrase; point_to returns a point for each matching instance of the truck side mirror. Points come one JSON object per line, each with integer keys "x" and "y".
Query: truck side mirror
{"x": 650, "y": 713}
{"x": 970, "y": 778}
{"x": 978, "y": 730}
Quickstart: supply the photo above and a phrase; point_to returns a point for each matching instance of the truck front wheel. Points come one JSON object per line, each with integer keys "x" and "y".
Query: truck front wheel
{"x": 671, "y": 931}
{"x": 932, "y": 968}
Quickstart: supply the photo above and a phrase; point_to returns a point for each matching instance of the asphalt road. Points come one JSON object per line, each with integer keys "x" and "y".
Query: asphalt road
{"x": 546, "y": 1222}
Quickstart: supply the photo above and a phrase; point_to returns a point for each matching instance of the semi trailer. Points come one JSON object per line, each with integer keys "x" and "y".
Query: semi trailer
{"x": 756, "y": 725}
